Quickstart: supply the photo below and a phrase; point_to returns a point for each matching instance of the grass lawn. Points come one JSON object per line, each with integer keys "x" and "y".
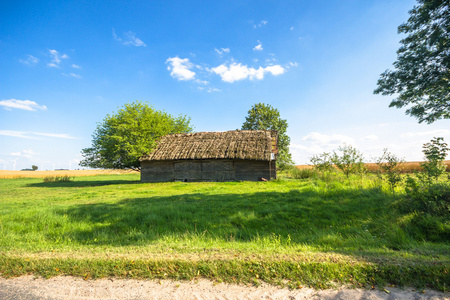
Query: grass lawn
{"x": 288, "y": 232}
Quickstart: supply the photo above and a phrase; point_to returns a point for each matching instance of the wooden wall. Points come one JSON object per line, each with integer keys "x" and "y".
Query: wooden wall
{"x": 207, "y": 170}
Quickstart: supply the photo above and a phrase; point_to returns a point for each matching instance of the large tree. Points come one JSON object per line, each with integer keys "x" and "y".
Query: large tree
{"x": 422, "y": 70}
{"x": 264, "y": 117}
{"x": 123, "y": 137}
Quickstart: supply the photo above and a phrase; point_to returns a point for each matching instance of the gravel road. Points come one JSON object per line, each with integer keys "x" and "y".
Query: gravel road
{"x": 66, "y": 287}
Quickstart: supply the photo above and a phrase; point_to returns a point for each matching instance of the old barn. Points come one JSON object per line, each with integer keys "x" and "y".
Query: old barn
{"x": 248, "y": 155}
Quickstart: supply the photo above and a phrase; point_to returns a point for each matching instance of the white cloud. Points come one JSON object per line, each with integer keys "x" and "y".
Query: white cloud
{"x": 76, "y": 66}
{"x": 24, "y": 153}
{"x": 72, "y": 75}
{"x": 328, "y": 140}
{"x": 316, "y": 143}
{"x": 202, "y": 82}
{"x": 292, "y": 28}
{"x": 232, "y": 73}
{"x": 21, "y": 104}
{"x": 236, "y": 72}
{"x": 129, "y": 38}
{"x": 30, "y": 60}
{"x": 55, "y": 135}
{"x": 258, "y": 47}
{"x": 180, "y": 68}
{"x": 275, "y": 70}
{"x": 19, "y": 134}
{"x": 212, "y": 89}
{"x": 260, "y": 24}
{"x": 437, "y": 133}
{"x": 370, "y": 137}
{"x": 34, "y": 135}
{"x": 56, "y": 58}
{"x": 222, "y": 50}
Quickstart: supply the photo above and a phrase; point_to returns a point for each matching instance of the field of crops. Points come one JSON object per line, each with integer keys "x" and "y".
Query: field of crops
{"x": 5, "y": 174}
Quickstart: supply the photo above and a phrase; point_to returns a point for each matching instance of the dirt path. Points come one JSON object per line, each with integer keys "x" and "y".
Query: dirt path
{"x": 65, "y": 287}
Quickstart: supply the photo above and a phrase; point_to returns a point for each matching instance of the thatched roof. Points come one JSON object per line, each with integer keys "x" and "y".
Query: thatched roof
{"x": 237, "y": 144}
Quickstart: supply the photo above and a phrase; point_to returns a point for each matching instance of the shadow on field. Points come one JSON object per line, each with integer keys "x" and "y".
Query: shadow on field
{"x": 82, "y": 183}
{"x": 326, "y": 219}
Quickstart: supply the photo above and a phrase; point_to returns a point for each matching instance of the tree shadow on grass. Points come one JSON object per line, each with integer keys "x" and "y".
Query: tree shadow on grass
{"x": 308, "y": 217}
{"x": 82, "y": 183}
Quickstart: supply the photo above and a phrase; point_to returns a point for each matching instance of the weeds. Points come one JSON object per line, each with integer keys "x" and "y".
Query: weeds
{"x": 302, "y": 173}
{"x": 63, "y": 178}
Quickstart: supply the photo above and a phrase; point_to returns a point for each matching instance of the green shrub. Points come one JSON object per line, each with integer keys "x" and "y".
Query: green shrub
{"x": 435, "y": 152}
{"x": 433, "y": 199}
{"x": 427, "y": 227}
{"x": 64, "y": 178}
{"x": 349, "y": 161}
{"x": 429, "y": 205}
{"x": 303, "y": 173}
{"x": 390, "y": 165}
{"x": 322, "y": 162}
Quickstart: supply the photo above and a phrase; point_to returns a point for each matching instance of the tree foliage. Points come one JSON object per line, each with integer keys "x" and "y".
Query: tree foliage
{"x": 123, "y": 137}
{"x": 264, "y": 117}
{"x": 322, "y": 162}
{"x": 390, "y": 165}
{"x": 422, "y": 70}
{"x": 349, "y": 160}
{"x": 435, "y": 152}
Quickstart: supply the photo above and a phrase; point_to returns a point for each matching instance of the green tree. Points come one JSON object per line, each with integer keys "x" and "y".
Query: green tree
{"x": 123, "y": 137}
{"x": 435, "y": 152}
{"x": 349, "y": 161}
{"x": 264, "y": 117}
{"x": 422, "y": 70}
{"x": 322, "y": 162}
{"x": 390, "y": 165}
{"x": 34, "y": 167}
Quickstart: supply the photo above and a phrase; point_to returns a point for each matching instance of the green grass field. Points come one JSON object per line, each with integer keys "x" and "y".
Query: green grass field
{"x": 287, "y": 232}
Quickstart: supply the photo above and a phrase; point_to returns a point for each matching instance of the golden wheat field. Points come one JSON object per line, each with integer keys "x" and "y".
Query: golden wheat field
{"x": 4, "y": 174}
{"x": 406, "y": 167}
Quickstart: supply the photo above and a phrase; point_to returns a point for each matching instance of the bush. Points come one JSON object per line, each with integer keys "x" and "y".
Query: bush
{"x": 302, "y": 173}
{"x": 428, "y": 227}
{"x": 430, "y": 209}
{"x": 390, "y": 165}
{"x": 64, "y": 178}
{"x": 435, "y": 152}
{"x": 349, "y": 161}
{"x": 322, "y": 162}
{"x": 433, "y": 199}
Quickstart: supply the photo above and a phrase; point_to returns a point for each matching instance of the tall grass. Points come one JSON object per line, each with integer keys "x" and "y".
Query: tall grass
{"x": 347, "y": 225}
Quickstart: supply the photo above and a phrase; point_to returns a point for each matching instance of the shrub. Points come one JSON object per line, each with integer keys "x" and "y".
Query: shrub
{"x": 435, "y": 152}
{"x": 322, "y": 162}
{"x": 427, "y": 227}
{"x": 64, "y": 178}
{"x": 433, "y": 199}
{"x": 349, "y": 161}
{"x": 302, "y": 173}
{"x": 430, "y": 206}
{"x": 390, "y": 165}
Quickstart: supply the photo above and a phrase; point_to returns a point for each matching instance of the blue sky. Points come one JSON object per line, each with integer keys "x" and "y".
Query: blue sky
{"x": 66, "y": 64}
